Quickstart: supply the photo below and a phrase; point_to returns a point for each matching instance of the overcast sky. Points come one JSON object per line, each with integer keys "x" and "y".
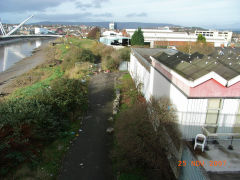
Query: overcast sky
{"x": 206, "y": 13}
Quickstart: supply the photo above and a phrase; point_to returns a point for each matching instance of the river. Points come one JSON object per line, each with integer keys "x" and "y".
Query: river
{"x": 10, "y": 53}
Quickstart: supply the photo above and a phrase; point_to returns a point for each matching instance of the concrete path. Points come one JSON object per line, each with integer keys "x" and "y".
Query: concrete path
{"x": 88, "y": 158}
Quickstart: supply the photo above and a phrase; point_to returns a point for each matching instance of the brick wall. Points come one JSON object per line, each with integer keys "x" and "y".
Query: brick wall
{"x": 175, "y": 43}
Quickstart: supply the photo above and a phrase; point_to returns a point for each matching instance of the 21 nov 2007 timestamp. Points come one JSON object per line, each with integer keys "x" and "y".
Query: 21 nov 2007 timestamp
{"x": 202, "y": 163}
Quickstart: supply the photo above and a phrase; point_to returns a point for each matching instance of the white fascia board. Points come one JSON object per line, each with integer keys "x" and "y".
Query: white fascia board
{"x": 233, "y": 81}
{"x": 211, "y": 75}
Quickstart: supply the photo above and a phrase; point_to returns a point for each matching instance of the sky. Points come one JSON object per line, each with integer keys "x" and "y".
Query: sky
{"x": 204, "y": 13}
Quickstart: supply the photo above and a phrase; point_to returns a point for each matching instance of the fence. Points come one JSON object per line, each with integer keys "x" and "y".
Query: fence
{"x": 191, "y": 123}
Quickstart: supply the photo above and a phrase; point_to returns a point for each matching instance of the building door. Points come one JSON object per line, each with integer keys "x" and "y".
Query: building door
{"x": 213, "y": 109}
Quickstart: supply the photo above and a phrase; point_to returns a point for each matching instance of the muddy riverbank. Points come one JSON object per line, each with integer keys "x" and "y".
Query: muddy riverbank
{"x": 22, "y": 66}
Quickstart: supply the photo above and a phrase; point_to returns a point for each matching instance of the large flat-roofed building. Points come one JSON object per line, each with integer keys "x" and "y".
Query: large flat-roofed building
{"x": 167, "y": 37}
{"x": 227, "y": 35}
{"x": 205, "y": 89}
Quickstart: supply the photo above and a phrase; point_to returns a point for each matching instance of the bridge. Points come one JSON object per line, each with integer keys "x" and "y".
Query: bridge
{"x": 2, "y": 38}
{"x": 8, "y": 36}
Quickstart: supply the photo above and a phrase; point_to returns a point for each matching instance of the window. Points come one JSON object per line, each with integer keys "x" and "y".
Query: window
{"x": 213, "y": 109}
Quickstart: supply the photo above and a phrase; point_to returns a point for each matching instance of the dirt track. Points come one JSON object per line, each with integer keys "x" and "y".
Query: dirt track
{"x": 88, "y": 158}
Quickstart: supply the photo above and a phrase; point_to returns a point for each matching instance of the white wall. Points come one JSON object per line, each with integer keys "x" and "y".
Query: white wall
{"x": 141, "y": 75}
{"x": 162, "y": 87}
{"x": 229, "y": 110}
{"x": 190, "y": 111}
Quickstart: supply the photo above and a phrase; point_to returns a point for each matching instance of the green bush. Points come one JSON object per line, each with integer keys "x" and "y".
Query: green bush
{"x": 27, "y": 122}
{"x": 87, "y": 55}
{"x": 77, "y": 54}
{"x": 65, "y": 95}
{"x": 125, "y": 54}
{"x": 140, "y": 144}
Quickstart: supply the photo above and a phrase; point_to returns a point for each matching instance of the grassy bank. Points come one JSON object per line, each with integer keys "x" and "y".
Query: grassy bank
{"x": 42, "y": 115}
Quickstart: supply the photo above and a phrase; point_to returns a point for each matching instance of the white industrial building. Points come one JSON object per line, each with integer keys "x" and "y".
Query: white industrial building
{"x": 111, "y": 33}
{"x": 168, "y": 37}
{"x": 204, "y": 90}
{"x": 41, "y": 31}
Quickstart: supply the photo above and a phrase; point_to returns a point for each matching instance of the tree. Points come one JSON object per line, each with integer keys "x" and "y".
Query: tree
{"x": 137, "y": 38}
{"x": 94, "y": 33}
{"x": 201, "y": 38}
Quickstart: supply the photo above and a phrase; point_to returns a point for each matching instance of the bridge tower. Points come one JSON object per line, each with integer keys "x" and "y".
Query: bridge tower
{"x": 15, "y": 29}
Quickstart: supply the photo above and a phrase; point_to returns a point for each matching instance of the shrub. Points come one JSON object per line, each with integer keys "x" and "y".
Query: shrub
{"x": 77, "y": 54}
{"x": 163, "y": 118}
{"x": 111, "y": 62}
{"x": 94, "y": 33}
{"x": 87, "y": 55}
{"x": 65, "y": 95}
{"x": 125, "y": 54}
{"x": 201, "y": 38}
{"x": 141, "y": 144}
{"x": 203, "y": 48}
{"x": 27, "y": 122}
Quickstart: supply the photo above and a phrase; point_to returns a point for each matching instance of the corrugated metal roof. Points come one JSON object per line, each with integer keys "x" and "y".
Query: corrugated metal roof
{"x": 225, "y": 62}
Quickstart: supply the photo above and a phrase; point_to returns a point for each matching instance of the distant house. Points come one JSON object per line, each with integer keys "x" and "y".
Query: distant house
{"x": 205, "y": 90}
{"x": 41, "y": 31}
{"x": 114, "y": 38}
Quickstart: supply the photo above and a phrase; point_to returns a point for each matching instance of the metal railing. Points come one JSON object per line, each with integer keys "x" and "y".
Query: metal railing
{"x": 191, "y": 123}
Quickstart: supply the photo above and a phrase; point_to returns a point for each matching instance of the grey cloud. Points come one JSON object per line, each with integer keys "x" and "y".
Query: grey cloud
{"x": 93, "y": 4}
{"x": 137, "y": 15}
{"x": 104, "y": 15}
{"x": 86, "y": 16}
{"x": 28, "y": 5}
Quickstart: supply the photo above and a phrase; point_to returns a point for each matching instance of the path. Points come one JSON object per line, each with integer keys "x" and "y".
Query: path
{"x": 88, "y": 158}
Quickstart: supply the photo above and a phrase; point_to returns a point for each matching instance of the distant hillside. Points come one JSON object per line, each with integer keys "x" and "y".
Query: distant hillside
{"x": 120, "y": 25}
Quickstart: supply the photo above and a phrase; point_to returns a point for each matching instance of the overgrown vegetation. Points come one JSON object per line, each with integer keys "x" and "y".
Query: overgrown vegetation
{"x": 203, "y": 48}
{"x": 38, "y": 114}
{"x": 144, "y": 132}
{"x": 43, "y": 112}
{"x": 94, "y": 33}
